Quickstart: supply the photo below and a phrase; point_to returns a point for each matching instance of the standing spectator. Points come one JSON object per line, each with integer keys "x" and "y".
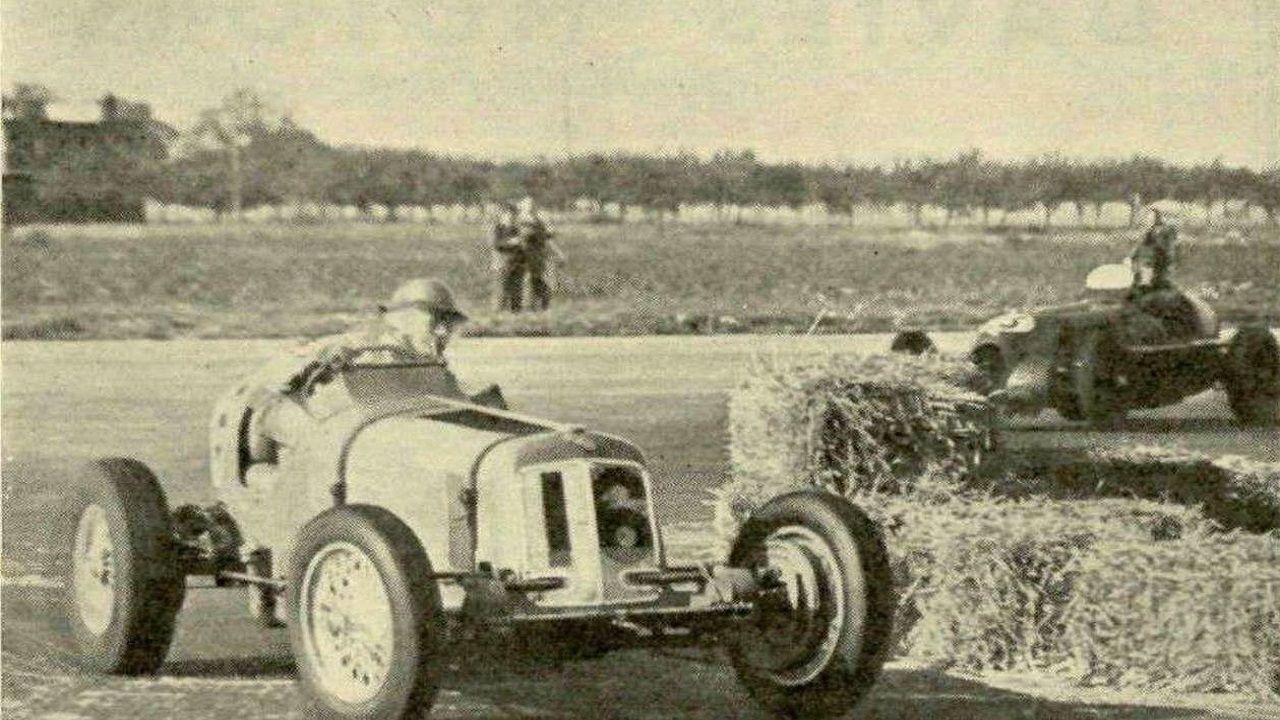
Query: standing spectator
{"x": 536, "y": 239}
{"x": 509, "y": 259}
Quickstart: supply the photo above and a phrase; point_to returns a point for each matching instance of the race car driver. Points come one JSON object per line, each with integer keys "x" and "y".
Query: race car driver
{"x": 414, "y": 325}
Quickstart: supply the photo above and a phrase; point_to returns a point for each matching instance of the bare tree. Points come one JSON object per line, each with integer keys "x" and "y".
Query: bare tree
{"x": 27, "y": 101}
{"x": 914, "y": 183}
{"x": 957, "y": 185}
{"x": 1050, "y": 180}
{"x": 1263, "y": 189}
{"x": 231, "y": 127}
{"x": 1144, "y": 180}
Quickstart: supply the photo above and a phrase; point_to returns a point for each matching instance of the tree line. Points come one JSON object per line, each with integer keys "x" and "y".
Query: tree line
{"x": 240, "y": 155}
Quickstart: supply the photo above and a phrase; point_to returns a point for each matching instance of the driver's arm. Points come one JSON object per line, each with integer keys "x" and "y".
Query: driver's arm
{"x": 306, "y": 361}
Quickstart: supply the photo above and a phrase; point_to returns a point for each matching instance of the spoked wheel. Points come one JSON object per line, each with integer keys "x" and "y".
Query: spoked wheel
{"x": 817, "y": 639}
{"x": 366, "y": 619}
{"x": 347, "y": 622}
{"x": 93, "y": 576}
{"x": 124, "y": 585}
{"x": 1253, "y": 377}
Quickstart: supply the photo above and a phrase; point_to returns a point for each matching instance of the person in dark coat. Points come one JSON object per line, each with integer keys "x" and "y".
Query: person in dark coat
{"x": 536, "y": 239}
{"x": 509, "y": 261}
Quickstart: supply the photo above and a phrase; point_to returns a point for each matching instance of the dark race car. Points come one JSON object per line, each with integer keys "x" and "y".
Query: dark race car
{"x": 1118, "y": 350}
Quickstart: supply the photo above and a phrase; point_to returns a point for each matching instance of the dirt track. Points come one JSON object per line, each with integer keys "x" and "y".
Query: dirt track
{"x": 64, "y": 403}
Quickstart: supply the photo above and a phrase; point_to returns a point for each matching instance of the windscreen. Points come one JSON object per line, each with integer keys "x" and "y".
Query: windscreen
{"x": 374, "y": 384}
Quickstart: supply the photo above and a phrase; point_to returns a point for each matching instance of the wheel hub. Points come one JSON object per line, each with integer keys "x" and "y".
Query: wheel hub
{"x": 93, "y": 570}
{"x": 794, "y": 632}
{"x": 348, "y": 623}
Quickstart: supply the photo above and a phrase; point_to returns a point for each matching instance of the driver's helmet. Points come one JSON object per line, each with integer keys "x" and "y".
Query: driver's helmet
{"x": 428, "y": 294}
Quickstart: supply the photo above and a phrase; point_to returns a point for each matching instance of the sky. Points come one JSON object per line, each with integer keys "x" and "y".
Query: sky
{"x": 807, "y": 80}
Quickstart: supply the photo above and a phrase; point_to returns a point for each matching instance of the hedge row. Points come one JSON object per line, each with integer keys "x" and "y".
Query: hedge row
{"x": 1140, "y": 589}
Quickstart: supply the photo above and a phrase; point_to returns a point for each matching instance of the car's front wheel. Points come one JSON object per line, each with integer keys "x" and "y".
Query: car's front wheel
{"x": 365, "y": 617}
{"x": 990, "y": 363}
{"x": 816, "y": 641}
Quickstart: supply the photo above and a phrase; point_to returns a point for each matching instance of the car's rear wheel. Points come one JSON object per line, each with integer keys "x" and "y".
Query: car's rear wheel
{"x": 912, "y": 342}
{"x": 1253, "y": 376}
{"x": 365, "y": 617}
{"x": 1093, "y": 379}
{"x": 815, "y": 643}
{"x": 123, "y": 581}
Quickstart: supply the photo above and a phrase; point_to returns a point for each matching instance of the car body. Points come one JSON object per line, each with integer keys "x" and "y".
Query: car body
{"x": 1086, "y": 360}
{"x": 409, "y": 524}
{"x": 493, "y": 481}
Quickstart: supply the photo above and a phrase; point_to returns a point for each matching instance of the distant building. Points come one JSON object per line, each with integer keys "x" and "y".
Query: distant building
{"x": 62, "y": 171}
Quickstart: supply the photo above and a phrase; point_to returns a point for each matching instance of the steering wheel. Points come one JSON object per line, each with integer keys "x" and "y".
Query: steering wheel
{"x": 324, "y": 369}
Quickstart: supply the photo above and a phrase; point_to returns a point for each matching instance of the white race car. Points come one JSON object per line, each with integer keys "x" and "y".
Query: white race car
{"x": 407, "y": 521}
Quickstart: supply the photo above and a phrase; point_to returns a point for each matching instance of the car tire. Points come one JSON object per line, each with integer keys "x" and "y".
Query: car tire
{"x": 1097, "y": 398}
{"x": 1252, "y": 377}
{"x": 820, "y": 659}
{"x": 990, "y": 363}
{"x": 1069, "y": 408}
{"x": 360, "y": 567}
{"x": 124, "y": 585}
{"x": 913, "y": 342}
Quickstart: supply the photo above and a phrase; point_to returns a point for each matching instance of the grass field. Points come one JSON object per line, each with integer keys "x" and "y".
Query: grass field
{"x": 274, "y": 280}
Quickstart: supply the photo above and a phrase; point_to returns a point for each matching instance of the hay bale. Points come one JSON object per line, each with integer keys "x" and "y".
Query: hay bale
{"x": 850, "y": 425}
{"x": 983, "y": 583}
{"x": 1190, "y": 615}
{"x": 1118, "y": 592}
